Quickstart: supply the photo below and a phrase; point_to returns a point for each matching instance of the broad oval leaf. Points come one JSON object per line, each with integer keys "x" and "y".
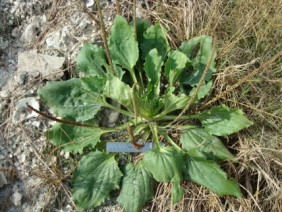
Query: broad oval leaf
{"x": 141, "y": 26}
{"x": 119, "y": 91}
{"x": 153, "y": 67}
{"x": 174, "y": 65}
{"x": 122, "y": 44}
{"x": 68, "y": 99}
{"x": 97, "y": 174}
{"x": 210, "y": 175}
{"x": 166, "y": 164}
{"x": 198, "y": 138}
{"x": 203, "y": 91}
{"x": 73, "y": 138}
{"x": 221, "y": 120}
{"x": 91, "y": 60}
{"x": 173, "y": 102}
{"x": 203, "y": 47}
{"x": 148, "y": 108}
{"x": 95, "y": 84}
{"x": 177, "y": 192}
{"x": 154, "y": 38}
{"x": 137, "y": 188}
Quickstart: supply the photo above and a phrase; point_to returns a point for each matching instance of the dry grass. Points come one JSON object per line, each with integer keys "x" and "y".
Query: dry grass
{"x": 248, "y": 34}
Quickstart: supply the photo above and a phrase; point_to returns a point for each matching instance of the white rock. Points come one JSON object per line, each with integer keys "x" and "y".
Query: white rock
{"x": 31, "y": 30}
{"x": 59, "y": 39}
{"x": 42, "y": 63}
{"x": 3, "y": 180}
{"x": 16, "y": 198}
{"x": 32, "y": 102}
{"x": 21, "y": 78}
{"x": 113, "y": 115}
{"x": 5, "y": 93}
{"x": 89, "y": 3}
{"x": 67, "y": 155}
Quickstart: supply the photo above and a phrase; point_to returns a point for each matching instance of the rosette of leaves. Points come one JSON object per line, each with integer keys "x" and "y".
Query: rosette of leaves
{"x": 152, "y": 83}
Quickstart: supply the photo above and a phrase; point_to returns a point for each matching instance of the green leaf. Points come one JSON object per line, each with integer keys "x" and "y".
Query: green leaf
{"x": 137, "y": 188}
{"x": 118, "y": 91}
{"x": 203, "y": 91}
{"x": 68, "y": 99}
{"x": 222, "y": 120}
{"x": 94, "y": 83}
{"x": 203, "y": 47}
{"x": 177, "y": 192}
{"x": 154, "y": 37}
{"x": 173, "y": 102}
{"x": 198, "y": 138}
{"x": 166, "y": 164}
{"x": 97, "y": 174}
{"x": 141, "y": 26}
{"x": 153, "y": 67}
{"x": 175, "y": 64}
{"x": 91, "y": 60}
{"x": 122, "y": 44}
{"x": 148, "y": 107}
{"x": 210, "y": 175}
{"x": 73, "y": 138}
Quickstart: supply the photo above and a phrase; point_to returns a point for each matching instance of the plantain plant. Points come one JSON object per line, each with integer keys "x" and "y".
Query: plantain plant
{"x": 154, "y": 85}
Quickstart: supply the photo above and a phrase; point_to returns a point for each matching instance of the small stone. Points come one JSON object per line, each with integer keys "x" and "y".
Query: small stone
{"x": 36, "y": 123}
{"x": 46, "y": 65}
{"x": 21, "y": 78}
{"x": 16, "y": 198}
{"x": 5, "y": 93}
{"x": 3, "y": 180}
{"x": 15, "y": 32}
{"x": 89, "y": 3}
{"x": 67, "y": 155}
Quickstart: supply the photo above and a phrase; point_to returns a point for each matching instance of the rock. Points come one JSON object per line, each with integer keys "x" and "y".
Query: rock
{"x": 5, "y": 93}
{"x": 32, "y": 29}
{"x": 22, "y": 113}
{"x": 15, "y": 32}
{"x": 89, "y": 3}
{"x": 21, "y": 78}
{"x": 3, "y": 44}
{"x": 59, "y": 39}
{"x": 46, "y": 65}
{"x": 16, "y": 198}
{"x": 3, "y": 180}
{"x": 113, "y": 115}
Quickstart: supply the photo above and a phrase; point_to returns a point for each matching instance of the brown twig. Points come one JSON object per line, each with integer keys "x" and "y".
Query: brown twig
{"x": 118, "y": 7}
{"x": 60, "y": 120}
{"x": 190, "y": 101}
{"x": 132, "y": 138}
{"x": 104, "y": 36}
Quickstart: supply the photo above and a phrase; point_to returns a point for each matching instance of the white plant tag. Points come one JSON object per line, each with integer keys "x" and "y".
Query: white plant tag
{"x": 127, "y": 147}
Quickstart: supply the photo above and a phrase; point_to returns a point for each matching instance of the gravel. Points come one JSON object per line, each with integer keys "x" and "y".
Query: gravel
{"x": 31, "y": 41}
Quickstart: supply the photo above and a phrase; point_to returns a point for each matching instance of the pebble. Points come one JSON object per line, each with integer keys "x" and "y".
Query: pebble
{"x": 21, "y": 78}
{"x": 16, "y": 198}
{"x": 3, "y": 180}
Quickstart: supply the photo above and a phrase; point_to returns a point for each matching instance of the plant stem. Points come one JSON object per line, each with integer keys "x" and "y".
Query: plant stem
{"x": 172, "y": 117}
{"x": 190, "y": 101}
{"x": 114, "y": 129}
{"x": 154, "y": 130}
{"x": 134, "y": 18}
{"x": 118, "y": 7}
{"x": 131, "y": 71}
{"x": 171, "y": 142}
{"x": 104, "y": 103}
{"x": 104, "y": 37}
